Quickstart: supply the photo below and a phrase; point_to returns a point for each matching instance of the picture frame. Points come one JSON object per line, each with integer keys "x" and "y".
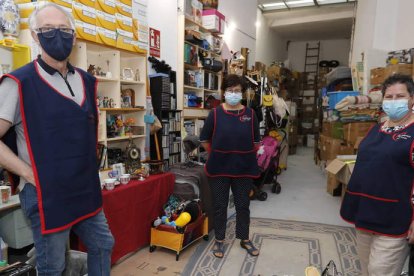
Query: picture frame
{"x": 128, "y": 74}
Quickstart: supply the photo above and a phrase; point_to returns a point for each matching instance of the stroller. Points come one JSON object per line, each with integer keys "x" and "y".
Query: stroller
{"x": 268, "y": 161}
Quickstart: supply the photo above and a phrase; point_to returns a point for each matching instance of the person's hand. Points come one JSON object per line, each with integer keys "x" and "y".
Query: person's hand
{"x": 28, "y": 175}
{"x": 410, "y": 236}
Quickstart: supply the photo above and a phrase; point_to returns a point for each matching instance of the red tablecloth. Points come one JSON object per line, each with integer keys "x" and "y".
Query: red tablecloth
{"x": 130, "y": 209}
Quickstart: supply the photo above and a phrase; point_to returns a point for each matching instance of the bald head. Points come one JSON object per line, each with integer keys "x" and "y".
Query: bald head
{"x": 51, "y": 14}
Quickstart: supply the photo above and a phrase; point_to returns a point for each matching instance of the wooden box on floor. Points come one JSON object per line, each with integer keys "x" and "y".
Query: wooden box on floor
{"x": 168, "y": 237}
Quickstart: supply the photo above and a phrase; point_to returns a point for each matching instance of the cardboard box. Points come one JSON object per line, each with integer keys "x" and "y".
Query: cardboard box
{"x": 342, "y": 168}
{"x": 405, "y": 69}
{"x": 105, "y": 20}
{"x": 213, "y": 20}
{"x": 85, "y": 31}
{"x": 125, "y": 40}
{"x": 89, "y": 3}
{"x": 308, "y": 100}
{"x": 356, "y": 129}
{"x": 330, "y": 148}
{"x": 333, "y": 129}
{"x": 333, "y": 186}
{"x": 123, "y": 9}
{"x": 105, "y": 36}
{"x": 377, "y": 75}
{"x": 123, "y": 22}
{"x": 108, "y": 6}
{"x": 84, "y": 13}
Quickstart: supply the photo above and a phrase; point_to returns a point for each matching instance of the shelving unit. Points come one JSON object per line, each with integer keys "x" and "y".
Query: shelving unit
{"x": 114, "y": 60}
{"x": 198, "y": 83}
{"x": 164, "y": 101}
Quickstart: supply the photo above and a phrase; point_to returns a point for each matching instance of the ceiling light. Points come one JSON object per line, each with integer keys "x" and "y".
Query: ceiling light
{"x": 271, "y": 5}
{"x": 294, "y": 2}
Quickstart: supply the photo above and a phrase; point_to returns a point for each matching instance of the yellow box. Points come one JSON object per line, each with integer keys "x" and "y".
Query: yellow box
{"x": 105, "y": 20}
{"x": 123, "y": 9}
{"x": 123, "y": 22}
{"x": 85, "y": 30}
{"x": 89, "y": 3}
{"x": 21, "y": 1}
{"x": 127, "y": 2}
{"x": 125, "y": 40}
{"x": 84, "y": 13}
{"x": 63, "y": 3}
{"x": 108, "y": 6}
{"x": 105, "y": 36}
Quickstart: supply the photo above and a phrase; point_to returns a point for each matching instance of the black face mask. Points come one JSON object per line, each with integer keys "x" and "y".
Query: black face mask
{"x": 59, "y": 46}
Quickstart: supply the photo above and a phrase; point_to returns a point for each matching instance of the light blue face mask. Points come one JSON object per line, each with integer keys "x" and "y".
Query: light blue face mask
{"x": 232, "y": 98}
{"x": 395, "y": 109}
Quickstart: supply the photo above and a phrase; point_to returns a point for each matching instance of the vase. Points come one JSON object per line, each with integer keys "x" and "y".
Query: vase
{"x": 9, "y": 19}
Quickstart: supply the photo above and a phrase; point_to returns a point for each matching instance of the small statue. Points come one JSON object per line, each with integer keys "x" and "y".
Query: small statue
{"x": 98, "y": 101}
{"x": 98, "y": 71}
{"x": 105, "y": 102}
{"x": 92, "y": 70}
{"x": 111, "y": 103}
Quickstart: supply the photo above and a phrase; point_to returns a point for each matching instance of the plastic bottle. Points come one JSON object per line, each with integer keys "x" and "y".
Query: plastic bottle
{"x": 3, "y": 252}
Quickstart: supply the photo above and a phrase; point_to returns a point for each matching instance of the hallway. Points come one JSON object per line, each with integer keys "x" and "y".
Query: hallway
{"x": 303, "y": 198}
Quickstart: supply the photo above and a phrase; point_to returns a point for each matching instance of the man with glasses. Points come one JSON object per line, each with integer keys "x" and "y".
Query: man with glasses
{"x": 48, "y": 115}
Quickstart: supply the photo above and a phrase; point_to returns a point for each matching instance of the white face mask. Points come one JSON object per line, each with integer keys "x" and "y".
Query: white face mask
{"x": 233, "y": 98}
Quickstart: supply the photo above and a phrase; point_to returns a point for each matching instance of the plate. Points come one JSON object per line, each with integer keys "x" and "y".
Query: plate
{"x": 9, "y": 18}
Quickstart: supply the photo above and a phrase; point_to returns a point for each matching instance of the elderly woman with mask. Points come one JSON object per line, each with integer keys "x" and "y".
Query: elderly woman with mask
{"x": 230, "y": 135}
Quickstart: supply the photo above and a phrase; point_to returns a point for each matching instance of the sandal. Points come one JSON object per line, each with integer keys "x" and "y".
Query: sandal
{"x": 248, "y": 245}
{"x": 218, "y": 249}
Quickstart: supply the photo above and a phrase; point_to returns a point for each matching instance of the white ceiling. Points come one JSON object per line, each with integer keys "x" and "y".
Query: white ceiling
{"x": 312, "y": 23}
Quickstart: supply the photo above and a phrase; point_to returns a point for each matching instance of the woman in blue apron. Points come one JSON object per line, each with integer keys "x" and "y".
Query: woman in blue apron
{"x": 230, "y": 135}
{"x": 378, "y": 200}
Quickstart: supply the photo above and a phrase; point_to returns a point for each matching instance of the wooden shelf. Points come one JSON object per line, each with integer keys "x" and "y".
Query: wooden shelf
{"x": 104, "y": 79}
{"x": 132, "y": 82}
{"x": 196, "y": 108}
{"x": 121, "y": 138}
{"x": 201, "y": 28}
{"x": 192, "y": 44}
{"x": 193, "y": 87}
{"x": 211, "y": 91}
{"x": 122, "y": 110}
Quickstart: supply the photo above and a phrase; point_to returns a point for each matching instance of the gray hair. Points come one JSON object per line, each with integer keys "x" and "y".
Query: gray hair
{"x": 33, "y": 16}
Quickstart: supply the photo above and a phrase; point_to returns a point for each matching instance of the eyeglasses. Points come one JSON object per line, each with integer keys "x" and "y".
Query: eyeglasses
{"x": 50, "y": 32}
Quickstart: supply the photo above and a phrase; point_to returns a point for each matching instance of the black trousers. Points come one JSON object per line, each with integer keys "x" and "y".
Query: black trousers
{"x": 220, "y": 189}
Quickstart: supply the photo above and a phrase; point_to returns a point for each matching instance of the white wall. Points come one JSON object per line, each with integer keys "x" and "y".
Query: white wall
{"x": 337, "y": 49}
{"x": 404, "y": 25}
{"x": 269, "y": 46}
{"x": 241, "y": 13}
{"x": 162, "y": 15}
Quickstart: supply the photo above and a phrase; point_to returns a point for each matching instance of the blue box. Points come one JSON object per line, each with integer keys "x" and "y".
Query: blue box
{"x": 336, "y": 97}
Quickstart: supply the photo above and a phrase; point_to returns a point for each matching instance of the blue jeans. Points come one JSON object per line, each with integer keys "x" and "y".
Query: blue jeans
{"x": 51, "y": 248}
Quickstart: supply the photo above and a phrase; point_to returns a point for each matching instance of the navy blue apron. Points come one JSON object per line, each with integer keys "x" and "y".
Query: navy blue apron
{"x": 378, "y": 197}
{"x": 61, "y": 140}
{"x": 233, "y": 152}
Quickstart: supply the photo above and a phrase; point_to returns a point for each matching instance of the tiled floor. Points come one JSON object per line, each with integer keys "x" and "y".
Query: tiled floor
{"x": 303, "y": 198}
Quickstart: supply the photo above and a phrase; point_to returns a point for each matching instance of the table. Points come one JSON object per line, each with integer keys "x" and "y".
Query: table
{"x": 130, "y": 210}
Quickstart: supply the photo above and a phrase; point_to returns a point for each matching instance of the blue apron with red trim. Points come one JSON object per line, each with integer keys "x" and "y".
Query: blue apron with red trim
{"x": 233, "y": 152}
{"x": 378, "y": 197}
{"x": 61, "y": 139}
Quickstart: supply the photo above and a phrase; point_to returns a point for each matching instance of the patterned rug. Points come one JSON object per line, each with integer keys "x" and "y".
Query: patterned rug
{"x": 286, "y": 249}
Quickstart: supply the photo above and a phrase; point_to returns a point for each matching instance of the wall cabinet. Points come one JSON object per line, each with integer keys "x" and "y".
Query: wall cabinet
{"x": 117, "y": 71}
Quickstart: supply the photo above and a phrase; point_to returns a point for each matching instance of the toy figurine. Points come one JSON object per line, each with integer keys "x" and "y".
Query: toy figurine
{"x": 92, "y": 70}
{"x": 105, "y": 102}
{"x": 98, "y": 101}
{"x": 111, "y": 103}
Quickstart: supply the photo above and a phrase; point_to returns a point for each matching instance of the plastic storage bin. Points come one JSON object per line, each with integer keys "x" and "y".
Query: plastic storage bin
{"x": 336, "y": 97}
{"x": 340, "y": 72}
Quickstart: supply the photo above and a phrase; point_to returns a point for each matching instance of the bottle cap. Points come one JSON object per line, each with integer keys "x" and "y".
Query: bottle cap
{"x": 3, "y": 263}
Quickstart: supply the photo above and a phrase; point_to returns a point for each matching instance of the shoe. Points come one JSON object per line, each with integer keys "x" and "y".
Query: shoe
{"x": 248, "y": 245}
{"x": 218, "y": 249}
